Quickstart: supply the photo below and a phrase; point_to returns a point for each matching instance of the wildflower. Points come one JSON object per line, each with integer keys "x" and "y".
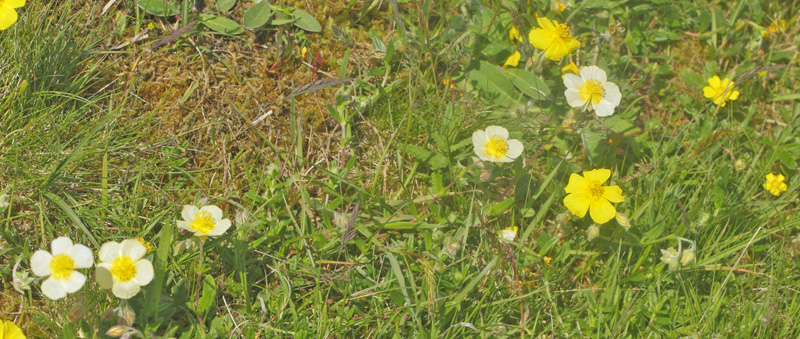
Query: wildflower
{"x": 775, "y": 184}
{"x": 553, "y": 38}
{"x": 146, "y": 245}
{"x": 513, "y": 34}
{"x": 206, "y": 221}
{"x": 60, "y": 266}
{"x": 4, "y": 198}
{"x": 587, "y": 193}
{"x": 567, "y": 124}
{"x": 122, "y": 268}
{"x": 303, "y": 52}
{"x": 572, "y": 68}
{"x": 547, "y": 260}
{"x": 9, "y": 330}
{"x": 557, "y": 6}
{"x": 8, "y": 14}
{"x": 592, "y": 232}
{"x": 670, "y": 257}
{"x": 151, "y": 26}
{"x": 623, "y": 220}
{"x": 446, "y": 82}
{"x": 508, "y": 234}
{"x": 720, "y": 91}
{"x": 774, "y": 28}
{"x": 20, "y": 281}
{"x": 590, "y": 91}
{"x": 687, "y": 256}
{"x": 513, "y": 60}
{"x": 493, "y": 145}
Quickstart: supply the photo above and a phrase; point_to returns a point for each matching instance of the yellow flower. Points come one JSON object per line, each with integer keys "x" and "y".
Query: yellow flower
{"x": 146, "y": 245}
{"x": 508, "y": 234}
{"x": 775, "y": 184}
{"x": 720, "y": 91}
{"x": 547, "y": 260}
{"x": 513, "y": 59}
{"x": 553, "y": 38}
{"x": 9, "y": 330}
{"x": 60, "y": 267}
{"x": 122, "y": 268}
{"x": 303, "y": 52}
{"x": 589, "y": 90}
{"x": 572, "y": 68}
{"x": 513, "y": 34}
{"x": 206, "y": 221}
{"x": 8, "y": 14}
{"x": 493, "y": 145}
{"x": 587, "y": 193}
{"x": 557, "y": 6}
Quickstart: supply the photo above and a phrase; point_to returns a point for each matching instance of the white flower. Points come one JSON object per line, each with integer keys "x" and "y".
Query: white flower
{"x": 591, "y": 91}
{"x": 508, "y": 234}
{"x": 206, "y": 221}
{"x": 60, "y": 266}
{"x": 493, "y": 145}
{"x": 122, "y": 268}
{"x": 4, "y": 201}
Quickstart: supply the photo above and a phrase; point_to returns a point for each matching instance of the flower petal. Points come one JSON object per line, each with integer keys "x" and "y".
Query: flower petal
{"x": 133, "y": 248}
{"x": 612, "y": 93}
{"x": 572, "y": 81}
{"x": 714, "y": 82}
{"x": 546, "y": 24}
{"x": 734, "y": 95}
{"x": 216, "y": 212}
{"x": 542, "y": 38}
{"x": 60, "y": 245}
{"x": 82, "y": 256}
{"x": 514, "y": 148}
{"x": 613, "y": 194}
{"x": 479, "y": 138}
{"x": 709, "y": 92}
{"x": 40, "y": 263}
{"x": 188, "y": 212}
{"x": 600, "y": 175}
{"x": 602, "y": 211}
{"x": 53, "y": 289}
{"x": 108, "y": 252}
{"x": 103, "y": 276}
{"x": 497, "y": 130}
{"x": 220, "y": 228}
{"x": 8, "y": 17}
{"x": 125, "y": 290}
{"x": 15, "y": 3}
{"x": 74, "y": 283}
{"x": 593, "y": 72}
{"x": 557, "y": 50}
{"x": 604, "y": 108}
{"x": 578, "y": 203}
{"x": 573, "y": 98}
{"x": 184, "y": 225}
{"x": 144, "y": 272}
{"x": 577, "y": 184}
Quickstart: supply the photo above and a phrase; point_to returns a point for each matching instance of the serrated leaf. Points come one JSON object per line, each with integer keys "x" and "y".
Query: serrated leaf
{"x": 225, "y": 5}
{"x": 220, "y": 24}
{"x": 692, "y": 78}
{"x": 305, "y": 21}
{"x": 257, "y": 15}
{"x": 415, "y": 152}
{"x": 158, "y": 7}
{"x": 438, "y": 161}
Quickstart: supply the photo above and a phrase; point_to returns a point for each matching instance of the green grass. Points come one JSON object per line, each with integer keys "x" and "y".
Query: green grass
{"x": 105, "y": 144}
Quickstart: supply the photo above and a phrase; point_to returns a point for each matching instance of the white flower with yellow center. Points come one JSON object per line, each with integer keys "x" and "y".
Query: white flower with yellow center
{"x": 493, "y": 145}
{"x": 206, "y": 221}
{"x": 508, "y": 234}
{"x": 60, "y": 265}
{"x": 122, "y": 268}
{"x": 589, "y": 90}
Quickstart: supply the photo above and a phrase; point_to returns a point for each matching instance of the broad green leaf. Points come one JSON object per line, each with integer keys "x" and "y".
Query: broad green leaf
{"x": 501, "y": 207}
{"x": 221, "y": 25}
{"x": 692, "y": 78}
{"x": 257, "y": 15}
{"x": 490, "y": 80}
{"x": 305, "y": 21}
{"x": 225, "y": 5}
{"x": 592, "y": 142}
{"x": 209, "y": 294}
{"x": 158, "y": 7}
{"x": 528, "y": 82}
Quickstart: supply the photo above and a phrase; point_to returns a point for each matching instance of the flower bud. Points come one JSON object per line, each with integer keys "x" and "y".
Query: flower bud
{"x": 592, "y": 232}
{"x": 670, "y": 257}
{"x": 623, "y": 220}
{"x": 687, "y": 257}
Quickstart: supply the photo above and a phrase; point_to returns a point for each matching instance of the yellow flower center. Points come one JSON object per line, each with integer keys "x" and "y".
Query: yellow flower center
{"x": 591, "y": 91}
{"x": 596, "y": 190}
{"x": 203, "y": 222}
{"x": 123, "y": 268}
{"x": 496, "y": 147}
{"x": 61, "y": 266}
{"x": 563, "y": 30}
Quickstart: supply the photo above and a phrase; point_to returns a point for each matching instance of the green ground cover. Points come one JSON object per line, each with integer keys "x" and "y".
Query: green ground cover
{"x": 339, "y": 139}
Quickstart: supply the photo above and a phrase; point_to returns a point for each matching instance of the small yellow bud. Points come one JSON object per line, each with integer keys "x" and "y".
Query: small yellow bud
{"x": 571, "y": 68}
{"x": 303, "y": 52}
{"x": 547, "y": 260}
{"x": 557, "y": 6}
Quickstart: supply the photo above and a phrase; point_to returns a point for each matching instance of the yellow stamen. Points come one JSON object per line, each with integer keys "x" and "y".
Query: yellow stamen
{"x": 591, "y": 91}
{"x": 203, "y": 222}
{"x": 596, "y": 190}
{"x": 563, "y": 30}
{"x": 497, "y": 147}
{"x": 123, "y": 268}
{"x": 61, "y": 267}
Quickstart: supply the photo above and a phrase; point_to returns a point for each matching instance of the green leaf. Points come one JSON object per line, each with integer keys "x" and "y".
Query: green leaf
{"x": 415, "y": 152}
{"x": 490, "y": 80}
{"x": 592, "y": 142}
{"x": 501, "y": 207}
{"x": 438, "y": 161}
{"x": 209, "y": 294}
{"x": 528, "y": 82}
{"x": 221, "y": 25}
{"x": 158, "y": 7}
{"x": 692, "y": 78}
{"x": 257, "y": 15}
{"x": 225, "y": 5}
{"x": 305, "y": 21}
{"x": 72, "y": 216}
